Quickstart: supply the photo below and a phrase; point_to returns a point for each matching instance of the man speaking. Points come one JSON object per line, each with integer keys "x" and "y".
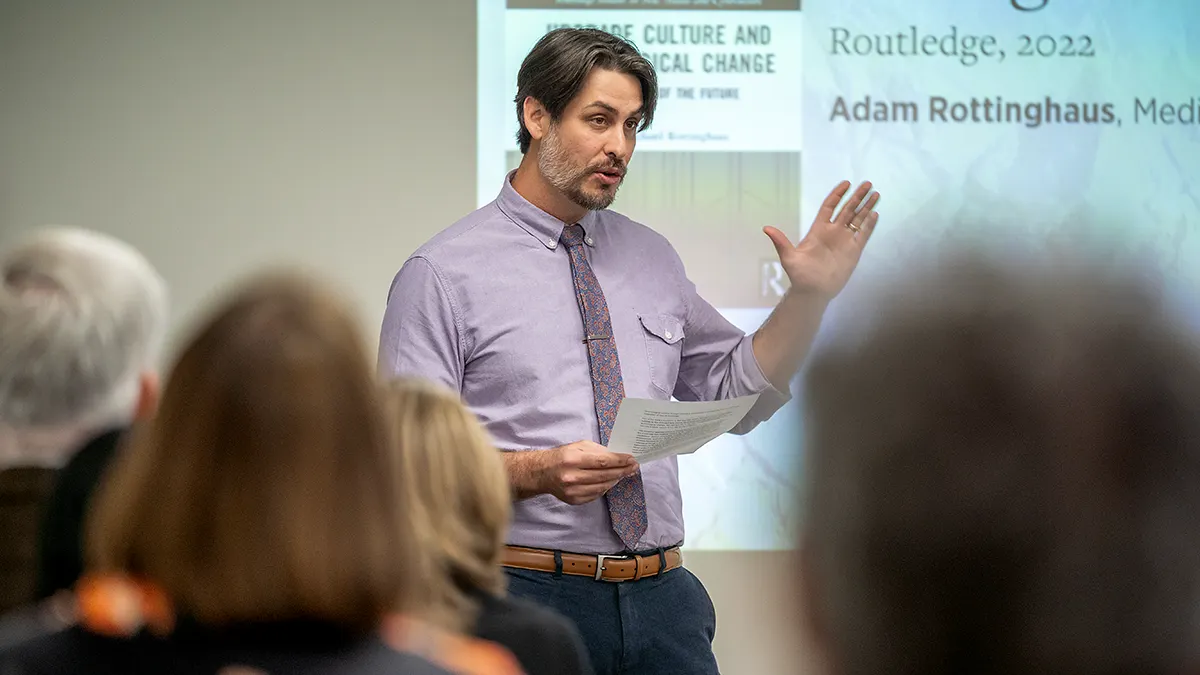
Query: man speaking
{"x": 545, "y": 310}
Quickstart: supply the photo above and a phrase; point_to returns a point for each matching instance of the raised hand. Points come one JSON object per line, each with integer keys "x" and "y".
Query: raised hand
{"x": 826, "y": 257}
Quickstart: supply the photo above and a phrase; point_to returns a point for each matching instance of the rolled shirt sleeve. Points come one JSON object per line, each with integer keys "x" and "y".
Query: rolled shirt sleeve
{"x": 718, "y": 362}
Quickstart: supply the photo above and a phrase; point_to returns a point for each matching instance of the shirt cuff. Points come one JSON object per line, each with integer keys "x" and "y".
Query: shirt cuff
{"x": 755, "y": 382}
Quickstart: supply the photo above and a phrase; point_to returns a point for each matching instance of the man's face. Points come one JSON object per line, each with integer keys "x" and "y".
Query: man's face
{"x": 585, "y": 153}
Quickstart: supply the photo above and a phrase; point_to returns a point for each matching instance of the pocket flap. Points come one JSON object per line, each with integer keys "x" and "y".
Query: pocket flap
{"x": 663, "y": 326}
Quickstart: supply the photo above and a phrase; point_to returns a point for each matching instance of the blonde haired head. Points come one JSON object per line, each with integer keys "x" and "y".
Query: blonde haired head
{"x": 456, "y": 486}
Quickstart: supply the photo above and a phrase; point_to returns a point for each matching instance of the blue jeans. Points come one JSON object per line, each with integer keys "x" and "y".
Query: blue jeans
{"x": 660, "y": 625}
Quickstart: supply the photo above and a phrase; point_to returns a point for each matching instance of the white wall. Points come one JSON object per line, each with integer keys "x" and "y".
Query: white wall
{"x": 222, "y": 135}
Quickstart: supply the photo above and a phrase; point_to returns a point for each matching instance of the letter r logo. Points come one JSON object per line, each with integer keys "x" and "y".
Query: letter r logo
{"x": 773, "y": 280}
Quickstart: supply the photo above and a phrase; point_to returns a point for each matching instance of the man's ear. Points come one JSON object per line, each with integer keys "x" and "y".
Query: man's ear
{"x": 537, "y": 118}
{"x": 149, "y": 390}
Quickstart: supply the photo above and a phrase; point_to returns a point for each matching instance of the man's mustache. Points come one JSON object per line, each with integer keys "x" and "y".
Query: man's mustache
{"x": 610, "y": 167}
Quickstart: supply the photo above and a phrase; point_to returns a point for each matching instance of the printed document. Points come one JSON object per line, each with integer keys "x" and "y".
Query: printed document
{"x": 650, "y": 429}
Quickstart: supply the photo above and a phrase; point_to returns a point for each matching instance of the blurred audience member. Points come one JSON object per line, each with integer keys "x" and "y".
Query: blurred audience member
{"x": 253, "y": 522}
{"x": 461, "y": 495}
{"x": 1005, "y": 478}
{"x": 82, "y": 322}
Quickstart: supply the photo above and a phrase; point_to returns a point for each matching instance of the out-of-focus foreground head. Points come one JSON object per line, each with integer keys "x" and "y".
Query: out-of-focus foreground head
{"x": 263, "y": 490}
{"x": 83, "y": 319}
{"x": 1004, "y": 477}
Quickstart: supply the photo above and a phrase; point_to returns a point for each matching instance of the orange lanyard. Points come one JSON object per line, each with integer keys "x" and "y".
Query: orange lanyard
{"x": 121, "y": 606}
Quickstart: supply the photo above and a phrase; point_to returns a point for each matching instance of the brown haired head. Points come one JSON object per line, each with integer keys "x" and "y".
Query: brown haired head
{"x": 261, "y": 490}
{"x": 454, "y": 483}
{"x": 1004, "y": 477}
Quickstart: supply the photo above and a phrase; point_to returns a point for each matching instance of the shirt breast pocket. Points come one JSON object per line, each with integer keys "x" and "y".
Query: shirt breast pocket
{"x": 664, "y": 349}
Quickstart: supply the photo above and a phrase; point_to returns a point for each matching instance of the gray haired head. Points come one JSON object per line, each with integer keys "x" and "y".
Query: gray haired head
{"x": 82, "y": 317}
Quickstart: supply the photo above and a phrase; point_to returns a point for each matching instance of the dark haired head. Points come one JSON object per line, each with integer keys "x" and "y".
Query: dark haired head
{"x": 558, "y": 65}
{"x": 1004, "y": 476}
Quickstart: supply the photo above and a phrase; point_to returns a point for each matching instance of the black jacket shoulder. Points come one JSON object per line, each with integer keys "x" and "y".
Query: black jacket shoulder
{"x": 79, "y": 652}
{"x": 60, "y": 550}
{"x": 544, "y": 641}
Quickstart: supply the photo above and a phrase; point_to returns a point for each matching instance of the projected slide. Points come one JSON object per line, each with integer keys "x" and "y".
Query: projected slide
{"x": 722, "y": 160}
{"x": 1032, "y": 125}
{"x": 1028, "y": 124}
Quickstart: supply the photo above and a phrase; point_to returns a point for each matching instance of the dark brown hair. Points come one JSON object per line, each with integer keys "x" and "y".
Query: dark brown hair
{"x": 556, "y": 68}
{"x": 1005, "y": 477}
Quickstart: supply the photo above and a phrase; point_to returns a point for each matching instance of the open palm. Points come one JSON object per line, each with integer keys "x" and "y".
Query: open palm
{"x": 826, "y": 257}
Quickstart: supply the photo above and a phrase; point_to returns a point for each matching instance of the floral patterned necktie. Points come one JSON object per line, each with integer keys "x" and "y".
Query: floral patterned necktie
{"x": 627, "y": 499}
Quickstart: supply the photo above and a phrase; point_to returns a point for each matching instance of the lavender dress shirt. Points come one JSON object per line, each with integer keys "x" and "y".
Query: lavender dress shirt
{"x": 487, "y": 307}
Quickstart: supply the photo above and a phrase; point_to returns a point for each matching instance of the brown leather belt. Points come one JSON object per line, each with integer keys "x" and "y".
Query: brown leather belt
{"x": 598, "y": 567}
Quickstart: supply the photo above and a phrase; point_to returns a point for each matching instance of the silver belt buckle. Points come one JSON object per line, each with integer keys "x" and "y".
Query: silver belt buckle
{"x": 600, "y": 566}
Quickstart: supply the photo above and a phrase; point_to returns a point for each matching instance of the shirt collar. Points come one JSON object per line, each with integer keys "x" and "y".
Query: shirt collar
{"x": 540, "y": 225}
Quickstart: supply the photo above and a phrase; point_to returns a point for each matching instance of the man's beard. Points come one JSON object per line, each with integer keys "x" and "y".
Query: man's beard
{"x": 555, "y": 165}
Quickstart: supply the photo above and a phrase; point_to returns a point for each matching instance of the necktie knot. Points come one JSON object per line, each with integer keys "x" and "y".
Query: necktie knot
{"x": 572, "y": 236}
